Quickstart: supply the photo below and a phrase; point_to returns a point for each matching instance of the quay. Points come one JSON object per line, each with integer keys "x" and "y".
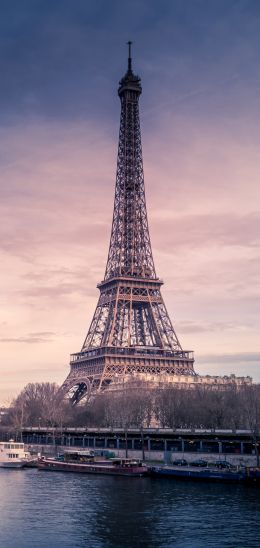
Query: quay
{"x": 163, "y": 445}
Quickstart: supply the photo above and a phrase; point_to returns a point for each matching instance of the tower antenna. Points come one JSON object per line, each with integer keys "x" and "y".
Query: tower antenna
{"x": 129, "y": 56}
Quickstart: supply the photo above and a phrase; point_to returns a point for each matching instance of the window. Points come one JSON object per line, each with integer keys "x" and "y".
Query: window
{"x": 174, "y": 445}
{"x": 191, "y": 445}
{"x": 157, "y": 445}
{"x": 100, "y": 442}
{"x": 111, "y": 443}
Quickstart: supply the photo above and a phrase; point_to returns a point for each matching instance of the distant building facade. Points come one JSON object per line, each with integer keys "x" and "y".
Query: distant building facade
{"x": 215, "y": 382}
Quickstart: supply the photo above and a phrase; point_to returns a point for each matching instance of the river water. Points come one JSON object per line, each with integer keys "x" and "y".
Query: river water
{"x": 40, "y": 509}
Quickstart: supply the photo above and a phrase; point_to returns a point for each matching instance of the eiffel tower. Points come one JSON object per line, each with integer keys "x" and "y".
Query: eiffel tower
{"x": 131, "y": 332}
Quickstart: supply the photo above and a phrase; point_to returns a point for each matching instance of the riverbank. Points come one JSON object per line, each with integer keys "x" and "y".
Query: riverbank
{"x": 158, "y": 445}
{"x": 156, "y": 457}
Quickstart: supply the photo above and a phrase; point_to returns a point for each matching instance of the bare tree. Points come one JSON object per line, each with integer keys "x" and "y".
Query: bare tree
{"x": 136, "y": 404}
{"x": 37, "y": 403}
{"x": 167, "y": 408}
{"x": 251, "y": 406}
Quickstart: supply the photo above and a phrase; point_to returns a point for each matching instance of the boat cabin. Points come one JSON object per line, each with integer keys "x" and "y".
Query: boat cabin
{"x": 12, "y": 453}
{"x": 126, "y": 463}
{"x": 78, "y": 456}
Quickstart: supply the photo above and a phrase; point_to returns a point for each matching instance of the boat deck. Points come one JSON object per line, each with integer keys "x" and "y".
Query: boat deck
{"x": 92, "y": 468}
{"x": 204, "y": 473}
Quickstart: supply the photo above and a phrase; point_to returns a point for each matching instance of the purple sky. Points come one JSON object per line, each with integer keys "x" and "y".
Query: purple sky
{"x": 200, "y": 114}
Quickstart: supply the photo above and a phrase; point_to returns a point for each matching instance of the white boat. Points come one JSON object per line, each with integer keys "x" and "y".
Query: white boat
{"x": 13, "y": 454}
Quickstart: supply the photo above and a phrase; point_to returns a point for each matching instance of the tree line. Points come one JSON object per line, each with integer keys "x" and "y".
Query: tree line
{"x": 139, "y": 406}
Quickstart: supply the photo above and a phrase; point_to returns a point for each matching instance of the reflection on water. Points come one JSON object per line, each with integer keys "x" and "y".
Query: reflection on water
{"x": 41, "y": 509}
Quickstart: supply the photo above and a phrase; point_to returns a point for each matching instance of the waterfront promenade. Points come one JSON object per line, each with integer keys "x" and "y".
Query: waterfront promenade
{"x": 236, "y": 446}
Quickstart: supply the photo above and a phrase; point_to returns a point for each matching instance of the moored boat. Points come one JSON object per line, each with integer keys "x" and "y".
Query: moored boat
{"x": 204, "y": 474}
{"x": 13, "y": 454}
{"x": 82, "y": 462}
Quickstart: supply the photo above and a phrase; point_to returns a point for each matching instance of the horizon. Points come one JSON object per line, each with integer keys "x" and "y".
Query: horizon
{"x": 199, "y": 115}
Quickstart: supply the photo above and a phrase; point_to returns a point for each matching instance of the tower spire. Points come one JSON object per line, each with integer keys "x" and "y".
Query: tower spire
{"x": 129, "y": 56}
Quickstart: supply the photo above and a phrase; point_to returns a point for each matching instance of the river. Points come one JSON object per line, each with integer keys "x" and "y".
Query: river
{"x": 41, "y": 509}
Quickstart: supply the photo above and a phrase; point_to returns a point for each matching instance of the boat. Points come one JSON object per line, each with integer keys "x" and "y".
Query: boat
{"x": 13, "y": 454}
{"x": 86, "y": 463}
{"x": 237, "y": 475}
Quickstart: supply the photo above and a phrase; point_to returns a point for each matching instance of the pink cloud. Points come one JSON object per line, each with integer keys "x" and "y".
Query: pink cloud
{"x": 57, "y": 188}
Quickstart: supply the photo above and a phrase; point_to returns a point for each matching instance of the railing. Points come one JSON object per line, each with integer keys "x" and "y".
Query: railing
{"x": 91, "y": 353}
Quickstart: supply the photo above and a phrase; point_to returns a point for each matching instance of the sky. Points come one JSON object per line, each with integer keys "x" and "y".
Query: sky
{"x": 60, "y": 63}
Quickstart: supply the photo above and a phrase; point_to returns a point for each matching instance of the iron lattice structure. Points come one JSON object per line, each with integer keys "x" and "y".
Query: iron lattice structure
{"x": 131, "y": 332}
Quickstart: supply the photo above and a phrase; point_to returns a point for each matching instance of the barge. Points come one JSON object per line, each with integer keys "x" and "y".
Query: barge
{"x": 240, "y": 475}
{"x": 87, "y": 464}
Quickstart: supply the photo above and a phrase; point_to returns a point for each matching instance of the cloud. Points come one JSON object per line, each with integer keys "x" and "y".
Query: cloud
{"x": 58, "y": 291}
{"x": 31, "y": 338}
{"x": 236, "y": 357}
{"x": 239, "y": 363}
{"x": 55, "y": 56}
{"x": 196, "y": 327}
{"x": 212, "y": 230}
{"x": 57, "y": 213}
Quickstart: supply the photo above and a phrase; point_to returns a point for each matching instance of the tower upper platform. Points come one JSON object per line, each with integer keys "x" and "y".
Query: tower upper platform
{"x": 130, "y": 81}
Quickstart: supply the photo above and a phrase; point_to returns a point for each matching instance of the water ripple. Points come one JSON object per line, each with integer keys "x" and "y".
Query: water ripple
{"x": 54, "y": 510}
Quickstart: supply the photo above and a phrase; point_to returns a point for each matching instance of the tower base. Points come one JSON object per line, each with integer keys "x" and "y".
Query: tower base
{"x": 94, "y": 370}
